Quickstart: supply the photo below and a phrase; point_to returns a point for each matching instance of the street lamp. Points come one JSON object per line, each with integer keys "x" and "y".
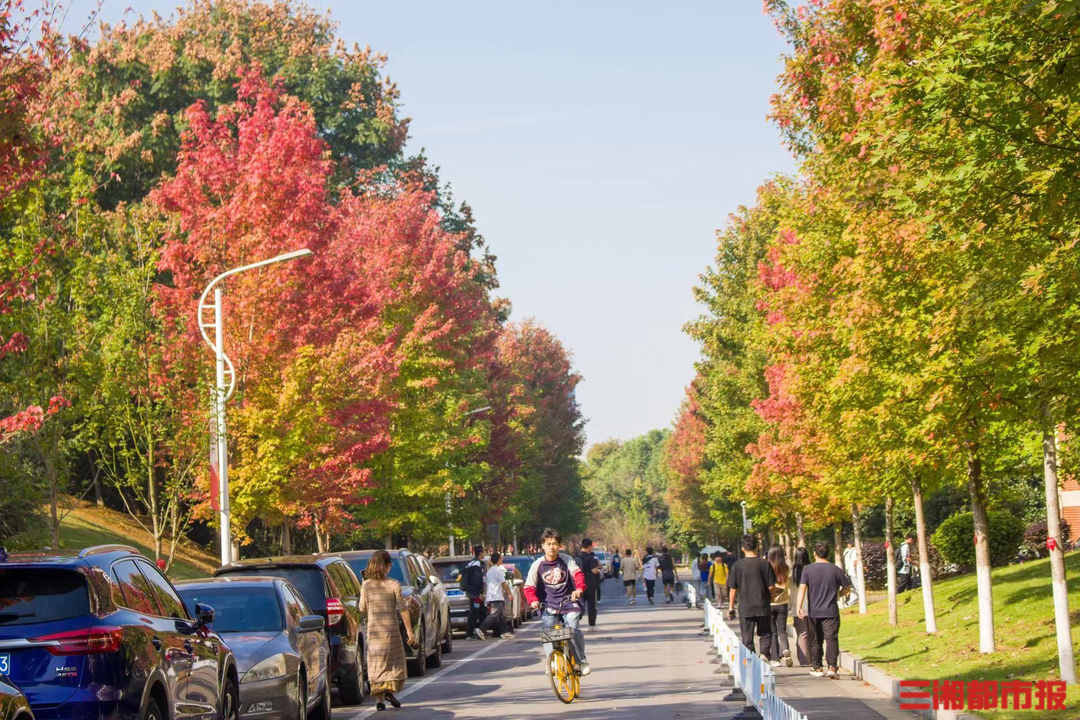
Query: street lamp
{"x": 449, "y": 520}
{"x": 222, "y": 393}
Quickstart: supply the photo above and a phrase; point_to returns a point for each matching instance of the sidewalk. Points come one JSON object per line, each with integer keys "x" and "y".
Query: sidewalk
{"x": 824, "y": 699}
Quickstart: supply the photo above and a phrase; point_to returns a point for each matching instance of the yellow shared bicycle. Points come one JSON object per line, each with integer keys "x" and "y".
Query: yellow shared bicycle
{"x": 563, "y": 670}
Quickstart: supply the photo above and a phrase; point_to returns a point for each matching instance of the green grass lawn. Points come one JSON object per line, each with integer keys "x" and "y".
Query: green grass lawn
{"x": 89, "y": 525}
{"x": 1024, "y": 633}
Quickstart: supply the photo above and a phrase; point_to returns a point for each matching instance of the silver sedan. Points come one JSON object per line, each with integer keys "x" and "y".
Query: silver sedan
{"x": 281, "y": 651}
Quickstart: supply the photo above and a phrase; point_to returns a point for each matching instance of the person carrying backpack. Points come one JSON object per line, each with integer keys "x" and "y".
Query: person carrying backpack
{"x": 472, "y": 582}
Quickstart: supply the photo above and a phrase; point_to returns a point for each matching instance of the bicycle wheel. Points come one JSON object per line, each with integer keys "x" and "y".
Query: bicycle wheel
{"x": 562, "y": 677}
{"x": 575, "y": 674}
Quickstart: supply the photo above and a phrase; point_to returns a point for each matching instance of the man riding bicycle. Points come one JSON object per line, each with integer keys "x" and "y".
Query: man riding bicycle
{"x": 556, "y": 581}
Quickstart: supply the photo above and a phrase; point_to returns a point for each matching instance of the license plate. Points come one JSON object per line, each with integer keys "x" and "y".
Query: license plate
{"x": 5, "y": 663}
{"x": 455, "y": 593}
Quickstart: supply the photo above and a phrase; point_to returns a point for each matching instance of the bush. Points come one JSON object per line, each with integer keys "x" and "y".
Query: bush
{"x": 1036, "y": 534}
{"x": 955, "y": 538}
{"x": 875, "y": 568}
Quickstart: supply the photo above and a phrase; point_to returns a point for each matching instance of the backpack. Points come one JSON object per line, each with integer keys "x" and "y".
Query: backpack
{"x": 472, "y": 579}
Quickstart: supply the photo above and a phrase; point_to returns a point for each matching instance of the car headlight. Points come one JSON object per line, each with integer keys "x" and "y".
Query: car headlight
{"x": 271, "y": 667}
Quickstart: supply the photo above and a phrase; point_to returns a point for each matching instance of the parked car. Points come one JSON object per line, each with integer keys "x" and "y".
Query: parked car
{"x": 516, "y": 603}
{"x": 521, "y": 563}
{"x": 422, "y": 600}
{"x": 282, "y": 654}
{"x": 605, "y": 563}
{"x": 101, "y": 633}
{"x": 449, "y": 571}
{"x": 13, "y": 704}
{"x": 442, "y": 601}
{"x": 332, "y": 590}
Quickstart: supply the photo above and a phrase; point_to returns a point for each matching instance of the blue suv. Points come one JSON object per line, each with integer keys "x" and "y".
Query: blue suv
{"x": 101, "y": 634}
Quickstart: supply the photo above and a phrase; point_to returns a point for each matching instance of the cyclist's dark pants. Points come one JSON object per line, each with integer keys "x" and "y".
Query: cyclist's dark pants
{"x": 591, "y": 596}
{"x": 650, "y": 588}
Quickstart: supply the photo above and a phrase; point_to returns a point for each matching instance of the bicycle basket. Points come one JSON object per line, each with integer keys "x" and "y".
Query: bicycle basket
{"x": 556, "y": 635}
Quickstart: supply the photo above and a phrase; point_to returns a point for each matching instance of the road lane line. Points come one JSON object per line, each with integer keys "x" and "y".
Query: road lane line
{"x": 445, "y": 671}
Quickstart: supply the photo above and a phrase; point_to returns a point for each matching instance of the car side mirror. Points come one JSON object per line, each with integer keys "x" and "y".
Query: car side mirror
{"x": 204, "y": 615}
{"x": 311, "y": 623}
{"x": 434, "y": 579}
{"x": 519, "y": 583}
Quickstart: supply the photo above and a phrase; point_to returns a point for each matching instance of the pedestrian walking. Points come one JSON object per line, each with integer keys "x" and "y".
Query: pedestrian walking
{"x": 802, "y": 637}
{"x": 590, "y": 565}
{"x": 649, "y": 567}
{"x": 851, "y": 562}
{"x": 496, "y": 591}
{"x": 472, "y": 582}
{"x": 630, "y": 569}
{"x": 668, "y": 574}
{"x": 821, "y": 584}
{"x": 778, "y": 609}
{"x": 903, "y": 561}
{"x": 703, "y": 567}
{"x": 718, "y": 575}
{"x": 381, "y": 601}
{"x": 616, "y": 565}
{"x": 751, "y": 582}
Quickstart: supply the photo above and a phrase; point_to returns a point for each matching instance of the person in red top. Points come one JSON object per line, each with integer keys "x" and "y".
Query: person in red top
{"x": 557, "y": 582}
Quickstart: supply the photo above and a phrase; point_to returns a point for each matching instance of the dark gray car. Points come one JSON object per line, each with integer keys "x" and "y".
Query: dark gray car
{"x": 13, "y": 704}
{"x": 282, "y": 654}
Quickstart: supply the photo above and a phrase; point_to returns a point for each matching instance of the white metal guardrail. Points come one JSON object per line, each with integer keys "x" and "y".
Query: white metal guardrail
{"x": 750, "y": 673}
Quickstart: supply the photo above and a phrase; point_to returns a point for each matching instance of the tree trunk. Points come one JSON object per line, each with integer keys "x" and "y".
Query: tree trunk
{"x": 1066, "y": 661}
{"x": 286, "y": 537}
{"x": 982, "y": 548}
{"x": 389, "y": 541}
{"x": 319, "y": 538}
{"x": 799, "y": 530}
{"x": 860, "y": 576}
{"x": 98, "y": 498}
{"x": 54, "y": 501}
{"x": 838, "y": 541}
{"x": 890, "y": 561}
{"x": 925, "y": 574}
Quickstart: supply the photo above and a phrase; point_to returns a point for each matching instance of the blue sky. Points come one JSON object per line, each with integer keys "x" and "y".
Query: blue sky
{"x": 601, "y": 145}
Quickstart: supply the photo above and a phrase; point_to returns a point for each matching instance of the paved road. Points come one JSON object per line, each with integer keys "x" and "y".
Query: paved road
{"x": 649, "y": 663}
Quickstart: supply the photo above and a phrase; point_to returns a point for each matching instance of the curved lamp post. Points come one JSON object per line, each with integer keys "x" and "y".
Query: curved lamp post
{"x": 223, "y": 393}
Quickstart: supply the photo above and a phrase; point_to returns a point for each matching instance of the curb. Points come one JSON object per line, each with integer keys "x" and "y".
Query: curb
{"x": 885, "y": 683}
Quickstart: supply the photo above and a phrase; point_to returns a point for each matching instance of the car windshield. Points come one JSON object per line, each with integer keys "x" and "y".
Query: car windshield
{"x": 37, "y": 596}
{"x": 238, "y": 609}
{"x": 308, "y": 580}
{"x": 397, "y": 568}
{"x": 450, "y": 572}
{"x": 601, "y": 556}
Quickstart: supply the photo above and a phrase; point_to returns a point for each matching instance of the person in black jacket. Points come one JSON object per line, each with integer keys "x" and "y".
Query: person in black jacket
{"x": 590, "y": 565}
{"x": 472, "y": 582}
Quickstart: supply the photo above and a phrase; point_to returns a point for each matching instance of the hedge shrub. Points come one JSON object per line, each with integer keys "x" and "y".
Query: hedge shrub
{"x": 955, "y": 538}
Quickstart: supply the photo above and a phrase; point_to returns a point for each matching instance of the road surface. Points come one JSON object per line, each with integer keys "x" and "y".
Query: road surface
{"x": 649, "y": 663}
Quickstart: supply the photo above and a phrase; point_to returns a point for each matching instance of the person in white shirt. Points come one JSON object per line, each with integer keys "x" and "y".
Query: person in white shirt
{"x": 649, "y": 566}
{"x": 495, "y": 598}
{"x": 851, "y": 563}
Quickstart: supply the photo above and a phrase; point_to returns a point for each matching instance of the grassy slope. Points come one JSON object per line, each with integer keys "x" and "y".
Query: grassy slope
{"x": 88, "y": 525}
{"x": 1024, "y": 632}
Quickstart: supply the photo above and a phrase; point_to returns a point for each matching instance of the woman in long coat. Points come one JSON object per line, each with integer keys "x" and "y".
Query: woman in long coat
{"x": 381, "y": 601}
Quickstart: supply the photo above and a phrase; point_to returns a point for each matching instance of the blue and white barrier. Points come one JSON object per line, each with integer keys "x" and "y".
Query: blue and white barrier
{"x": 751, "y": 673}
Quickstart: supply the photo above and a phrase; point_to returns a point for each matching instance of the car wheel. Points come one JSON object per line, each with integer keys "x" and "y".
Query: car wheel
{"x": 153, "y": 712}
{"x": 418, "y": 667}
{"x": 301, "y": 696}
{"x": 230, "y": 702}
{"x": 351, "y": 687}
{"x": 448, "y": 641}
{"x": 322, "y": 710}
